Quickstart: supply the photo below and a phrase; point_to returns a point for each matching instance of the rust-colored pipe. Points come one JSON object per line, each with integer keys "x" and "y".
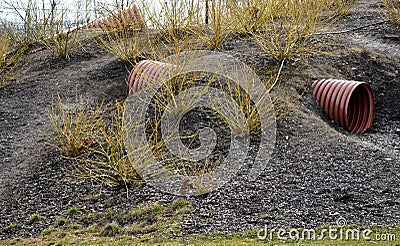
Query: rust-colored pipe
{"x": 349, "y": 103}
{"x": 128, "y": 18}
{"x": 145, "y": 72}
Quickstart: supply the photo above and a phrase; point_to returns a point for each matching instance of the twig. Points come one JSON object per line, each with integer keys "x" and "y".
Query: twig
{"x": 352, "y": 30}
{"x": 279, "y": 73}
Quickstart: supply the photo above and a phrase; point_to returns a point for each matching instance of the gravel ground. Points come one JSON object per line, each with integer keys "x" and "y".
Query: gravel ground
{"x": 318, "y": 172}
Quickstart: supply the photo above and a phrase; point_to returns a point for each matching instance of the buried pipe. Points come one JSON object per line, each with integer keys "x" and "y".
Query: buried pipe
{"x": 349, "y": 103}
{"x": 144, "y": 73}
{"x": 130, "y": 17}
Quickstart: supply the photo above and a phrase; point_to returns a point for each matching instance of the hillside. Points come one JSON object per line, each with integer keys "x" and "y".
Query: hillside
{"x": 318, "y": 172}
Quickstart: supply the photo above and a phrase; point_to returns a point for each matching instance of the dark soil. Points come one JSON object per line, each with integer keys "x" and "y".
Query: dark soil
{"x": 317, "y": 174}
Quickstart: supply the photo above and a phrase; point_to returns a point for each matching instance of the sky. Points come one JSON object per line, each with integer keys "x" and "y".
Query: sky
{"x": 7, "y": 12}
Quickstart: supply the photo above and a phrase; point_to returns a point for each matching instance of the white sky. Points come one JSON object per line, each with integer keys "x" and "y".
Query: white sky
{"x": 7, "y": 13}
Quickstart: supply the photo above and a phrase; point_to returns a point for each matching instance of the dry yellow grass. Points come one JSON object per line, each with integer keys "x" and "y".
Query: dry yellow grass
{"x": 391, "y": 10}
{"x": 10, "y": 57}
{"x": 289, "y": 27}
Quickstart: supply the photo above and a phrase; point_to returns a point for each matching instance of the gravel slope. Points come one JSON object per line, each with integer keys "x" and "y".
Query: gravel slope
{"x": 318, "y": 172}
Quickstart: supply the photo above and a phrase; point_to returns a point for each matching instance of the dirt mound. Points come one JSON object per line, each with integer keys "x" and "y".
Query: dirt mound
{"x": 317, "y": 174}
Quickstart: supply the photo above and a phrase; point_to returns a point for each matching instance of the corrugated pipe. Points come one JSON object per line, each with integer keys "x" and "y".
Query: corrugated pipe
{"x": 129, "y": 18}
{"x": 349, "y": 103}
{"x": 144, "y": 73}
